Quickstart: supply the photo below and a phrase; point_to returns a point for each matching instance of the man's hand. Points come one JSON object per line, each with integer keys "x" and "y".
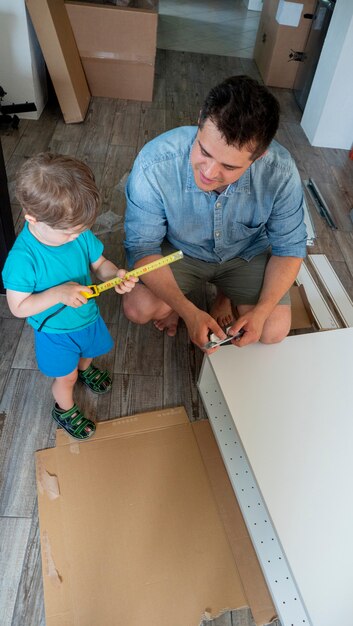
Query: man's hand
{"x": 200, "y": 325}
{"x": 252, "y": 323}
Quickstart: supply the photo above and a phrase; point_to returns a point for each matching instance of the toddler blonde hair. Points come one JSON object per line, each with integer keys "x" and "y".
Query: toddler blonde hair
{"x": 58, "y": 190}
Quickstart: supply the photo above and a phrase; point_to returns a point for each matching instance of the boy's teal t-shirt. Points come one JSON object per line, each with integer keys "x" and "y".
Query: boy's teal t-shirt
{"x": 32, "y": 267}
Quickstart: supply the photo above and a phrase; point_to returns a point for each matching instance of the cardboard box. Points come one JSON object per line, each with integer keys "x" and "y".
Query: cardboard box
{"x": 139, "y": 525}
{"x": 276, "y": 43}
{"x": 302, "y": 316}
{"x": 58, "y": 45}
{"x": 117, "y": 47}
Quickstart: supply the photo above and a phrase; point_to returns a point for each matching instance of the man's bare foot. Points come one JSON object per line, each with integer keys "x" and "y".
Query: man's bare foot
{"x": 169, "y": 323}
{"x": 221, "y": 310}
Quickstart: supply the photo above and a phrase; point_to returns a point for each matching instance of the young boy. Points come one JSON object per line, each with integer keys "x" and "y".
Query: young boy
{"x": 46, "y": 272}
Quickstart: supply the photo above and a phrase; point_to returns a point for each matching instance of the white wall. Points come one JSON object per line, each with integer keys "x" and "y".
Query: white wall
{"x": 22, "y": 67}
{"x": 253, "y": 5}
{"x": 328, "y": 115}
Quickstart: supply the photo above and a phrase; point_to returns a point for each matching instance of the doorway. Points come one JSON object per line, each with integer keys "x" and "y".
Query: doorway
{"x": 224, "y": 27}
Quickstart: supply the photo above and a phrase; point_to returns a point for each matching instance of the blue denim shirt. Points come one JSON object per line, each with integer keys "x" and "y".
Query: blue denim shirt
{"x": 263, "y": 208}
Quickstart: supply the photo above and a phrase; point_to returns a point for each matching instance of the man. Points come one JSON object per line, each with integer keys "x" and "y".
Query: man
{"x": 231, "y": 199}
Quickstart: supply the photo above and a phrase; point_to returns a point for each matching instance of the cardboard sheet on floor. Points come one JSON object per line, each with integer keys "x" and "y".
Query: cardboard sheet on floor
{"x": 140, "y": 525}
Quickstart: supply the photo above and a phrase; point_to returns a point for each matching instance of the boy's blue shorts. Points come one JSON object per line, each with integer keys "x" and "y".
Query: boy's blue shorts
{"x": 58, "y": 354}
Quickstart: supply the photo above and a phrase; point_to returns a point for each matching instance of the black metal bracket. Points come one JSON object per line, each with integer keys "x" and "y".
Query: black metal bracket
{"x": 6, "y": 119}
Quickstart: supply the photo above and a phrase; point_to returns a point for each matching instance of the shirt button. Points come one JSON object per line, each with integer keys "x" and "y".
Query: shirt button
{"x": 217, "y": 233}
{"x": 218, "y": 205}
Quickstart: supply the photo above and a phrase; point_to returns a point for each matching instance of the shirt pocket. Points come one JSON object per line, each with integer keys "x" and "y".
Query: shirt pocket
{"x": 240, "y": 233}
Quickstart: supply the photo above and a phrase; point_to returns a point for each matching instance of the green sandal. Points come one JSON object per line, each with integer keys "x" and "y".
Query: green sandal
{"x": 95, "y": 379}
{"x": 74, "y": 422}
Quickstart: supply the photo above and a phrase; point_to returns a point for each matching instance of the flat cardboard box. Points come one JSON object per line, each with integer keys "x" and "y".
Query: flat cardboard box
{"x": 275, "y": 43}
{"x": 58, "y": 45}
{"x": 139, "y": 525}
{"x": 117, "y": 47}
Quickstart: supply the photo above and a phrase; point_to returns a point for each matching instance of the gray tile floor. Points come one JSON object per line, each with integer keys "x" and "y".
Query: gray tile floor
{"x": 224, "y": 27}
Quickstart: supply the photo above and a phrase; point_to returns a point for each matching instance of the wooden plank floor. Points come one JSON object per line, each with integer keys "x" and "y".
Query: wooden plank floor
{"x": 150, "y": 370}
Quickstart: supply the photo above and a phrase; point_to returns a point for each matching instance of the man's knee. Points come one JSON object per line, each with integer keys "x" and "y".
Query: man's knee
{"x": 142, "y": 307}
{"x": 277, "y": 326}
{"x": 133, "y": 311}
{"x": 273, "y": 336}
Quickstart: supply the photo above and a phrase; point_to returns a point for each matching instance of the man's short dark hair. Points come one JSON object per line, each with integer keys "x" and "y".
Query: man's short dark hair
{"x": 244, "y": 112}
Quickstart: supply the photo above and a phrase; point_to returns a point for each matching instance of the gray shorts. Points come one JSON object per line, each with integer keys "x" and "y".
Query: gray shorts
{"x": 241, "y": 281}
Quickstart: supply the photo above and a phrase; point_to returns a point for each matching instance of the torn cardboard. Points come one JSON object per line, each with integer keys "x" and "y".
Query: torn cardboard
{"x": 117, "y": 47}
{"x": 146, "y": 529}
{"x": 57, "y": 42}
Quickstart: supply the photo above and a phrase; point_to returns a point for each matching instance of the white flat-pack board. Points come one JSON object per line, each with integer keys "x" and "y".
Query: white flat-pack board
{"x": 291, "y": 406}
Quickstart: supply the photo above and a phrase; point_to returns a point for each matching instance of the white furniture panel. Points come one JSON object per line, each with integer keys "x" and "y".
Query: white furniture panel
{"x": 23, "y": 74}
{"x": 319, "y": 307}
{"x": 333, "y": 286}
{"x": 291, "y": 406}
{"x": 327, "y": 119}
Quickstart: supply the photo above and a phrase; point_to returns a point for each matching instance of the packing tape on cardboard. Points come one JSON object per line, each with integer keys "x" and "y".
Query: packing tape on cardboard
{"x": 49, "y": 565}
{"x": 47, "y": 483}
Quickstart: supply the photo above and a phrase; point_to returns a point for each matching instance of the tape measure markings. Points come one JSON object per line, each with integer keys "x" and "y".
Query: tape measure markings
{"x": 138, "y": 271}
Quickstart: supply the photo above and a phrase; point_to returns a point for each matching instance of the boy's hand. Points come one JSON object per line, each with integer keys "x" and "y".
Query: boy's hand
{"x": 71, "y": 294}
{"x": 126, "y": 285}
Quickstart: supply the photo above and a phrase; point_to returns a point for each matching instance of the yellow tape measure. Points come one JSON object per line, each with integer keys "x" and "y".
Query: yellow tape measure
{"x": 155, "y": 265}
